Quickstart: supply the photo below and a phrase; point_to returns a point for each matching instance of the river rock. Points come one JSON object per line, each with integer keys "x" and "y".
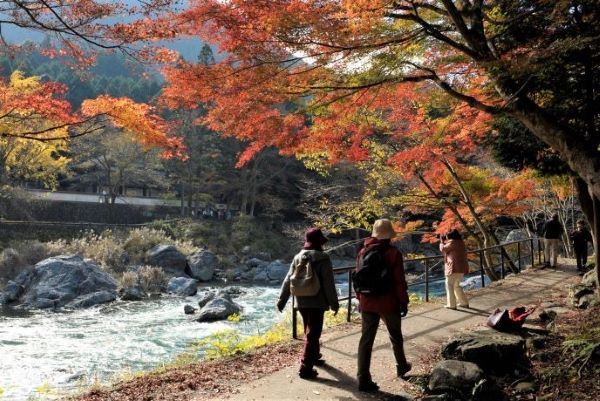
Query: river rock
{"x": 260, "y": 276}
{"x": 205, "y": 298}
{"x": 491, "y": 350}
{"x": 135, "y": 293}
{"x": 66, "y": 281}
{"x": 12, "y": 291}
{"x": 202, "y": 265}
{"x": 451, "y": 375}
{"x": 218, "y": 309}
{"x": 277, "y": 270}
{"x": 189, "y": 309}
{"x": 98, "y": 297}
{"x": 231, "y": 292}
{"x": 182, "y": 286}
{"x": 169, "y": 258}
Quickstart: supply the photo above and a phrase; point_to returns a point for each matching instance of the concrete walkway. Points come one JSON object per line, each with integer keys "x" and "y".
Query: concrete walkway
{"x": 425, "y": 328}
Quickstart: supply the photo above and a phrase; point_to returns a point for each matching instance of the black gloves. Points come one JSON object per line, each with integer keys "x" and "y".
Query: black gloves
{"x": 280, "y": 305}
{"x": 403, "y": 310}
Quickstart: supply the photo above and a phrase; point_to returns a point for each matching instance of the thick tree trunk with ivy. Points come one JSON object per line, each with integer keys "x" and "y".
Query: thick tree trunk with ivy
{"x": 590, "y": 205}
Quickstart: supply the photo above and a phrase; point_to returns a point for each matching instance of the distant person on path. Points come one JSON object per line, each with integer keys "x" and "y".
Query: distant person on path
{"x": 391, "y": 305}
{"x": 551, "y": 232}
{"x": 581, "y": 237}
{"x": 311, "y": 307}
{"x": 456, "y": 265}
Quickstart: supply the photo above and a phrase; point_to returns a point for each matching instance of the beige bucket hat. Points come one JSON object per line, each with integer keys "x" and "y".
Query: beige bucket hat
{"x": 383, "y": 229}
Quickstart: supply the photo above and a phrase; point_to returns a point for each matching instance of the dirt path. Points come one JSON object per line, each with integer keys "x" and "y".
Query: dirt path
{"x": 425, "y": 328}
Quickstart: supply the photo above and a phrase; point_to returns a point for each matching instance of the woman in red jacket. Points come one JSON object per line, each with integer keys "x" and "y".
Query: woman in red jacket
{"x": 456, "y": 266}
{"x": 389, "y": 307}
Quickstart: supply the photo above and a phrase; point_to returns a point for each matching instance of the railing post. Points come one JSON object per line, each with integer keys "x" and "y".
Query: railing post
{"x": 426, "y": 280}
{"x": 294, "y": 320}
{"x": 481, "y": 268}
{"x": 519, "y": 255}
{"x": 349, "y": 295}
{"x": 502, "y": 274}
{"x": 532, "y": 252}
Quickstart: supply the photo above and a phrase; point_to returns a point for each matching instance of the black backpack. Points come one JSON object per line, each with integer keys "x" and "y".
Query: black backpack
{"x": 372, "y": 275}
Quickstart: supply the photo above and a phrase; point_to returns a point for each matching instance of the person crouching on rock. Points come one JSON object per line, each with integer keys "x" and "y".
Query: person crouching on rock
{"x": 456, "y": 266}
{"x": 310, "y": 280}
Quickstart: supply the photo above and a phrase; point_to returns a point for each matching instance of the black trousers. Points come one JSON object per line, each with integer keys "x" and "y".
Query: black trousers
{"x": 370, "y": 323}
{"x": 581, "y": 255}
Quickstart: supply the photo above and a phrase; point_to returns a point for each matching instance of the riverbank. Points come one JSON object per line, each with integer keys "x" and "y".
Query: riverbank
{"x": 271, "y": 372}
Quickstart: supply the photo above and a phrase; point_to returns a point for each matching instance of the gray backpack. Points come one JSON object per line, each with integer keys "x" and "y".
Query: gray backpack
{"x": 304, "y": 281}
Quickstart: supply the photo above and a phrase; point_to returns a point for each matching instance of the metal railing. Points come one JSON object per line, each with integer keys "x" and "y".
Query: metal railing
{"x": 501, "y": 256}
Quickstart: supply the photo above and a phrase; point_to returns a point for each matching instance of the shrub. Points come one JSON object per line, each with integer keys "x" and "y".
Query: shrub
{"x": 140, "y": 240}
{"x": 128, "y": 280}
{"x": 152, "y": 279}
{"x": 32, "y": 252}
{"x": 103, "y": 248}
{"x": 10, "y": 263}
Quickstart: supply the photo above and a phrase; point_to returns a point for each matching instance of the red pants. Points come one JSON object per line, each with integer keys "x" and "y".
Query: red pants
{"x": 313, "y": 327}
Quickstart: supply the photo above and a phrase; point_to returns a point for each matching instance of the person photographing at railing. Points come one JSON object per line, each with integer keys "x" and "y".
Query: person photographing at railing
{"x": 381, "y": 290}
{"x": 456, "y": 265}
{"x": 310, "y": 279}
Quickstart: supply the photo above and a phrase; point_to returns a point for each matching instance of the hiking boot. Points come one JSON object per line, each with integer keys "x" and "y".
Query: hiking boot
{"x": 403, "y": 370}
{"x": 368, "y": 386}
{"x": 320, "y": 362}
{"x": 308, "y": 374}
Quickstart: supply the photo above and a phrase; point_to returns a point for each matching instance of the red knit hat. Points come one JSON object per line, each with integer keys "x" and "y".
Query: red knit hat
{"x": 314, "y": 238}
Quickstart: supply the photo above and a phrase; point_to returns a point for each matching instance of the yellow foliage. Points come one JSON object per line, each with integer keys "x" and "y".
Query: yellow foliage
{"x": 23, "y": 158}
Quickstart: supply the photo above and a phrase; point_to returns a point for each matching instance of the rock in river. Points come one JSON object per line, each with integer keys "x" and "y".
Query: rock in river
{"x": 182, "y": 286}
{"x": 202, "y": 265}
{"x": 169, "y": 258}
{"x": 64, "y": 281}
{"x": 218, "y": 309}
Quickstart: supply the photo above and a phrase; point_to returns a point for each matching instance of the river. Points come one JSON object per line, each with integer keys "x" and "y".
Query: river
{"x": 45, "y": 353}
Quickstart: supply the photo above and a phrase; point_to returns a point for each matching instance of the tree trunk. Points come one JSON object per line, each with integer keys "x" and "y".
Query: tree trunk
{"x": 581, "y": 156}
{"x": 488, "y": 263}
{"x": 590, "y": 205}
{"x": 489, "y": 238}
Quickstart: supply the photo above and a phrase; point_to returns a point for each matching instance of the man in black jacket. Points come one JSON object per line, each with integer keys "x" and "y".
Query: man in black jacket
{"x": 551, "y": 233}
{"x": 581, "y": 237}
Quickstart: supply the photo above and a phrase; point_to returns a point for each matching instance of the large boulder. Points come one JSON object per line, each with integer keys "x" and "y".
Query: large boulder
{"x": 455, "y": 376}
{"x": 63, "y": 281}
{"x": 277, "y": 270}
{"x": 182, "y": 286}
{"x": 218, "y": 309}
{"x": 202, "y": 265}
{"x": 169, "y": 258}
{"x": 491, "y": 350}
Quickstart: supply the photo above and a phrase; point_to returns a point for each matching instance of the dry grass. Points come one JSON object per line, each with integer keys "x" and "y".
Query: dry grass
{"x": 152, "y": 279}
{"x": 128, "y": 280}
